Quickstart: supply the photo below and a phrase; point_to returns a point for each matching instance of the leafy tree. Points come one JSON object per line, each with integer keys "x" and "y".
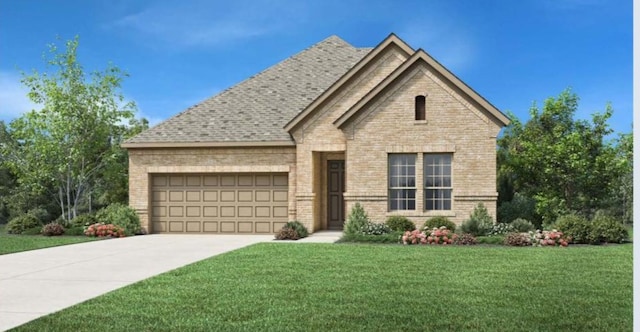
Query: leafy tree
{"x": 564, "y": 164}
{"x": 64, "y": 147}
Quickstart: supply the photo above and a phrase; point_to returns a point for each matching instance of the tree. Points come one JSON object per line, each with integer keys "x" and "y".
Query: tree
{"x": 75, "y": 136}
{"x": 564, "y": 164}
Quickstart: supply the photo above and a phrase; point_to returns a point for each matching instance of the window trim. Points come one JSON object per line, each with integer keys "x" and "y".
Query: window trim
{"x": 391, "y": 189}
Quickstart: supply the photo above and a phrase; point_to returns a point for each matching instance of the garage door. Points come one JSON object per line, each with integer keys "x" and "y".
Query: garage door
{"x": 219, "y": 203}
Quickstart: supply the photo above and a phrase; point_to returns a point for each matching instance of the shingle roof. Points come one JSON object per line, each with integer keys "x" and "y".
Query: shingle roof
{"x": 257, "y": 109}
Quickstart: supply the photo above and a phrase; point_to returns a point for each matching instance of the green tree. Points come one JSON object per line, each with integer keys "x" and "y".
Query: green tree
{"x": 65, "y": 146}
{"x": 564, "y": 164}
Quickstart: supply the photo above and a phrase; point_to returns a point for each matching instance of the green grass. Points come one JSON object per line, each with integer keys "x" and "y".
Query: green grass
{"x": 347, "y": 287}
{"x": 10, "y": 243}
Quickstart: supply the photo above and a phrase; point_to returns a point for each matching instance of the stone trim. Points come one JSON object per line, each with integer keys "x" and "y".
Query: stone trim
{"x": 204, "y": 144}
{"x": 428, "y": 148}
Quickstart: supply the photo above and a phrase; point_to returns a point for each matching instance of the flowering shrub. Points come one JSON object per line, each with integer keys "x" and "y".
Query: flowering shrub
{"x": 286, "y": 233}
{"x": 501, "y": 228}
{"x": 375, "y": 229}
{"x": 549, "y": 238}
{"x": 52, "y": 229}
{"x": 104, "y": 230}
{"x": 517, "y": 239}
{"x": 466, "y": 239}
{"x": 441, "y": 235}
{"x": 414, "y": 237}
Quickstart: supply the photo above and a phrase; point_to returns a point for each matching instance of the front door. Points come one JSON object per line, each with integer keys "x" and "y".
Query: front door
{"x": 335, "y": 199}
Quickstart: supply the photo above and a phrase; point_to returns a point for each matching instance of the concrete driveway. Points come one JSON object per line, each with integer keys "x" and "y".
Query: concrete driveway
{"x": 38, "y": 282}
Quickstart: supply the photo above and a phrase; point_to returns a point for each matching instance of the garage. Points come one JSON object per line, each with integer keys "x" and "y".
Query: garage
{"x": 219, "y": 203}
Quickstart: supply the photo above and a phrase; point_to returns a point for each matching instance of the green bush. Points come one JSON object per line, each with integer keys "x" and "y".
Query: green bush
{"x": 522, "y": 225}
{"x": 298, "y": 227}
{"x": 52, "y": 229}
{"x": 494, "y": 239}
{"x": 286, "y": 233}
{"x": 574, "y": 226}
{"x": 479, "y": 223}
{"x": 437, "y": 222}
{"x": 74, "y": 231}
{"x": 83, "y": 220}
{"x": 393, "y": 237}
{"x": 21, "y": 223}
{"x": 520, "y": 206}
{"x": 41, "y": 214}
{"x": 356, "y": 220}
{"x": 32, "y": 231}
{"x": 375, "y": 229}
{"x": 606, "y": 229}
{"x": 400, "y": 223}
{"x": 120, "y": 215}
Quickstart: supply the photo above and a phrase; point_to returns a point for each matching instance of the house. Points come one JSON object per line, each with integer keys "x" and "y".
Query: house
{"x": 306, "y": 139}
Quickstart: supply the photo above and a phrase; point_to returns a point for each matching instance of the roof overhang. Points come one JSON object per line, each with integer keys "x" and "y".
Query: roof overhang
{"x": 160, "y": 145}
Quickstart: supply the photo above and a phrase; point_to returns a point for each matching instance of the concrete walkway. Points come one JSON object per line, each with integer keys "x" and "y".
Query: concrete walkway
{"x": 39, "y": 282}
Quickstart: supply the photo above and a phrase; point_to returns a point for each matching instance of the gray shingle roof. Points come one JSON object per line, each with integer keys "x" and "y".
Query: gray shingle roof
{"x": 257, "y": 109}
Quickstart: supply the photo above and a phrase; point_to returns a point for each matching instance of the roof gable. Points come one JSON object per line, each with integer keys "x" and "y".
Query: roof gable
{"x": 421, "y": 55}
{"x": 391, "y": 41}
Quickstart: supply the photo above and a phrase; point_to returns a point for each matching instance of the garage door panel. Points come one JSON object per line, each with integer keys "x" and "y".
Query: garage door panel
{"x": 176, "y": 226}
{"x": 228, "y": 226}
{"x": 210, "y": 226}
{"x": 210, "y": 211}
{"x": 219, "y": 203}
{"x": 193, "y": 226}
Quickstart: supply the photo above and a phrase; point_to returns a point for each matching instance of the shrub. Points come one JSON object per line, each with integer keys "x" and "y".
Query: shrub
{"x": 74, "y": 231}
{"x": 393, "y": 237}
{"x": 120, "y": 215}
{"x": 548, "y": 238}
{"x": 400, "y": 223}
{"x": 518, "y": 239}
{"x": 466, "y": 239}
{"x": 32, "y": 231}
{"x": 606, "y": 229}
{"x": 479, "y": 222}
{"x": 442, "y": 236}
{"x": 375, "y": 229}
{"x": 298, "y": 227}
{"x": 414, "y": 237}
{"x": 520, "y": 206}
{"x": 105, "y": 230}
{"x": 21, "y": 223}
{"x": 574, "y": 226}
{"x": 83, "y": 220}
{"x": 500, "y": 228}
{"x": 40, "y": 213}
{"x": 52, "y": 229}
{"x": 286, "y": 233}
{"x": 356, "y": 220}
{"x": 493, "y": 239}
{"x": 437, "y": 222}
{"x": 522, "y": 225}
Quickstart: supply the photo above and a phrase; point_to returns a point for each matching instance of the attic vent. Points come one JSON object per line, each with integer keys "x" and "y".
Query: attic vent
{"x": 420, "y": 107}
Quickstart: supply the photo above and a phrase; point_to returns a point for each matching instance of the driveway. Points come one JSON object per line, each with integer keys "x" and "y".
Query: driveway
{"x": 38, "y": 282}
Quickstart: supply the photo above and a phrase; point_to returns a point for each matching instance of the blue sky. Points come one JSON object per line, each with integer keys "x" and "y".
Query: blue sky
{"x": 181, "y": 52}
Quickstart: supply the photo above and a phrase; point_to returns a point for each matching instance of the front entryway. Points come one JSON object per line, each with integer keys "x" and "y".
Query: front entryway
{"x": 335, "y": 191}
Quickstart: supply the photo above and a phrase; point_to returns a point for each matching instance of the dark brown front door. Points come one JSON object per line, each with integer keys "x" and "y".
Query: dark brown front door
{"x": 335, "y": 199}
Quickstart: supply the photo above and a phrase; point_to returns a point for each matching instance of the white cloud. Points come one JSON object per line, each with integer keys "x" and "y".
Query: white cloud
{"x": 208, "y": 23}
{"x": 13, "y": 96}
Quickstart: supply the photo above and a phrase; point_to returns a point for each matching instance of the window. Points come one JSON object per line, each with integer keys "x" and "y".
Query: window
{"x": 437, "y": 182}
{"x": 402, "y": 182}
{"x": 420, "y": 107}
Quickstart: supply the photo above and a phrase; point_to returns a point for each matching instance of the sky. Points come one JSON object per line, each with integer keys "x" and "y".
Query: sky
{"x": 178, "y": 53}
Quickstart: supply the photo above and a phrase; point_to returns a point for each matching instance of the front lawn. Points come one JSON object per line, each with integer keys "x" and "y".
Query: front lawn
{"x": 10, "y": 243}
{"x": 329, "y": 287}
